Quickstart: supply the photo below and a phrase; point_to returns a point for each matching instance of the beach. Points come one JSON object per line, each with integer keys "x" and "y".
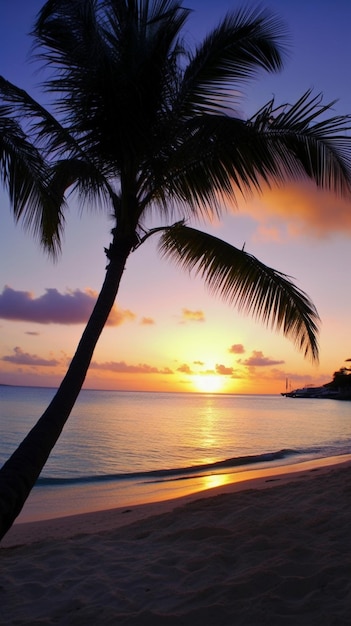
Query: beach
{"x": 274, "y": 550}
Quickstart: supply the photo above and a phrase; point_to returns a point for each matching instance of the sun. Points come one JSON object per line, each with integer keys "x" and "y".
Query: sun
{"x": 208, "y": 383}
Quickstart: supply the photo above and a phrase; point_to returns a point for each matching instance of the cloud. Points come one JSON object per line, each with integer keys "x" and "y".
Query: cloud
{"x": 257, "y": 359}
{"x": 119, "y": 316}
{"x": 72, "y": 307}
{"x": 121, "y": 367}
{"x": 219, "y": 369}
{"x": 223, "y": 370}
{"x": 147, "y": 321}
{"x": 295, "y": 210}
{"x": 185, "y": 369}
{"x": 237, "y": 348}
{"x": 192, "y": 316}
{"x": 32, "y": 333}
{"x": 24, "y": 358}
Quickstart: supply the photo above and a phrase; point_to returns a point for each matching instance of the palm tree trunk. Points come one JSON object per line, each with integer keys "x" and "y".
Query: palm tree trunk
{"x": 20, "y": 472}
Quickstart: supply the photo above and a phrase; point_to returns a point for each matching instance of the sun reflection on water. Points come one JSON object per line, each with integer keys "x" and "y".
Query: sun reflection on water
{"x": 214, "y": 480}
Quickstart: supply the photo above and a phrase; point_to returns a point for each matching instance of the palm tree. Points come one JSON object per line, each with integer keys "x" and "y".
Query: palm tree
{"x": 142, "y": 124}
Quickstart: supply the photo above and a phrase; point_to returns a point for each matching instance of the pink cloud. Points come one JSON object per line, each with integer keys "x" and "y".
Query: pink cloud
{"x": 147, "y": 321}
{"x": 24, "y": 358}
{"x": 237, "y": 348}
{"x": 119, "y": 316}
{"x": 295, "y": 210}
{"x": 257, "y": 359}
{"x": 72, "y": 307}
{"x": 121, "y": 367}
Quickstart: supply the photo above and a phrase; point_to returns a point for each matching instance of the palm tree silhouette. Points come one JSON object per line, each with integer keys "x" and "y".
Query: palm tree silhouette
{"x": 144, "y": 125}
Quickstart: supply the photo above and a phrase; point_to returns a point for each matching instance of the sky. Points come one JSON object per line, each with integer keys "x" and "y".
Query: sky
{"x": 167, "y": 333}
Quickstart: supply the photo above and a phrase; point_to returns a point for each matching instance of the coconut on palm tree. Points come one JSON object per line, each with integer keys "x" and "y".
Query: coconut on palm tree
{"x": 144, "y": 125}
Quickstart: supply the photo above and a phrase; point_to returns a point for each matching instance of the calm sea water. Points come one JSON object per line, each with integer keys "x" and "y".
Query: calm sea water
{"x": 115, "y": 440}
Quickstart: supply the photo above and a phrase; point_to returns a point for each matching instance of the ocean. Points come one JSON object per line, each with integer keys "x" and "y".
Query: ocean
{"x": 120, "y": 448}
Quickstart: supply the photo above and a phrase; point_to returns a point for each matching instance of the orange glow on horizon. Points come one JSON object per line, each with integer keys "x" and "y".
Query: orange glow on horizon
{"x": 208, "y": 383}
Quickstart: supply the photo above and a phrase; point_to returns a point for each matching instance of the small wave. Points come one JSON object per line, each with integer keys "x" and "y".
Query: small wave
{"x": 171, "y": 473}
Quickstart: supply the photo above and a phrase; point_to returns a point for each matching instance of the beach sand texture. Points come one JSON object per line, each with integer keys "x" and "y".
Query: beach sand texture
{"x": 275, "y": 555}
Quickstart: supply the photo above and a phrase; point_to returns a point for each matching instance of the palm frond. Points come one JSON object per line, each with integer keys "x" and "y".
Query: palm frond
{"x": 29, "y": 134}
{"x": 244, "y": 43}
{"x": 25, "y": 174}
{"x": 45, "y": 130}
{"x": 81, "y": 177}
{"x": 239, "y": 278}
{"x": 306, "y": 143}
{"x": 113, "y": 62}
{"x": 217, "y": 156}
{"x": 214, "y": 158}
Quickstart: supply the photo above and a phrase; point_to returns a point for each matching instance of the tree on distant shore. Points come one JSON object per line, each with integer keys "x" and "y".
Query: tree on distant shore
{"x": 341, "y": 379}
{"x": 144, "y": 126}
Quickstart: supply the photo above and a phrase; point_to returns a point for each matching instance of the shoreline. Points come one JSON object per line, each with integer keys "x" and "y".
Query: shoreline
{"x": 107, "y": 519}
{"x": 46, "y": 503}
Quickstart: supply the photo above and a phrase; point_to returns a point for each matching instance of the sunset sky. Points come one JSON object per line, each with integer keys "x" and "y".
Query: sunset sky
{"x": 167, "y": 333}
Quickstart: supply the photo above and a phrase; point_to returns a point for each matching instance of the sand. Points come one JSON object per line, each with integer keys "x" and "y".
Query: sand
{"x": 277, "y": 552}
